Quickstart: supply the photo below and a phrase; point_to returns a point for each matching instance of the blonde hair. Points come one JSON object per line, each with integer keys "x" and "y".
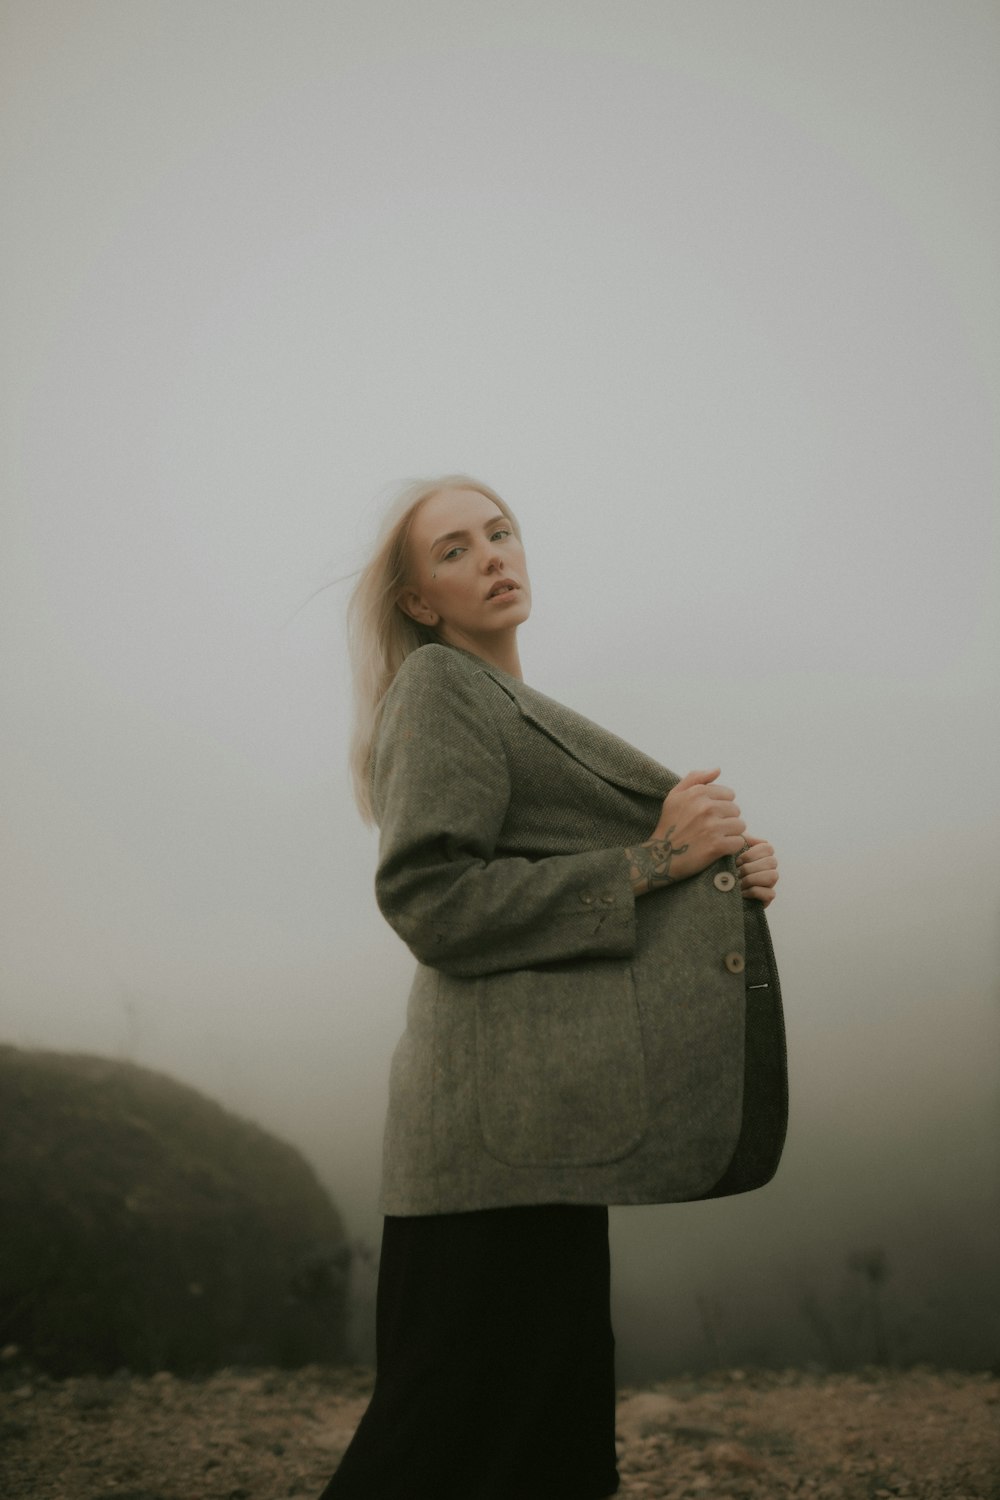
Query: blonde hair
{"x": 380, "y": 635}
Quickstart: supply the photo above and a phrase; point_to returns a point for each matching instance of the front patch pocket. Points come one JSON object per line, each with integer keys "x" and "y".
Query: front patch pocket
{"x": 559, "y": 1065}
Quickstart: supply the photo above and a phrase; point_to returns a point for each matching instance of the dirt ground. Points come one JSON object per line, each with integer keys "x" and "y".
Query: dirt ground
{"x": 265, "y": 1434}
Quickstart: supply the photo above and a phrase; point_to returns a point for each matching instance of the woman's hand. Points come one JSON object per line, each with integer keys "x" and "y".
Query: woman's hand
{"x": 757, "y": 869}
{"x": 699, "y": 823}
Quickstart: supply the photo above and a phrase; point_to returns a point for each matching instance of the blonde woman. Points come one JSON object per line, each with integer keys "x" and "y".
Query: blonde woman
{"x": 595, "y": 1019}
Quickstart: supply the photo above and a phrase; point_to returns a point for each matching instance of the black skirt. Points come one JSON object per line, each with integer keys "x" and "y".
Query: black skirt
{"x": 494, "y": 1361}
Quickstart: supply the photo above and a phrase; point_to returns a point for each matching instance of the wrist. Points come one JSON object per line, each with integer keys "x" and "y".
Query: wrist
{"x": 653, "y": 864}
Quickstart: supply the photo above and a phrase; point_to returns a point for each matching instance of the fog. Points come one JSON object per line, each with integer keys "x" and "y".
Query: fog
{"x": 709, "y": 293}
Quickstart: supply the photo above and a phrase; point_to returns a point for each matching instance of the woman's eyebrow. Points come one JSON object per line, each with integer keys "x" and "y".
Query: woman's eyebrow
{"x": 452, "y": 536}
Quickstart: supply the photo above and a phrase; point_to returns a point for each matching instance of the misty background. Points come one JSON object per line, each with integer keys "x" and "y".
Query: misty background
{"x": 708, "y": 291}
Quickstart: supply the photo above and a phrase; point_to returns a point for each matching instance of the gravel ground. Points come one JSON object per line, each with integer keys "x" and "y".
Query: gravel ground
{"x": 265, "y": 1434}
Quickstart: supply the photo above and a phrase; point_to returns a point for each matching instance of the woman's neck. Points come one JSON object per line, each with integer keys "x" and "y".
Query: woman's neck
{"x": 499, "y": 648}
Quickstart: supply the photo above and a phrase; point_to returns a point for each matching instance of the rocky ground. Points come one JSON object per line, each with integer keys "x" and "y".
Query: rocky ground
{"x": 265, "y": 1434}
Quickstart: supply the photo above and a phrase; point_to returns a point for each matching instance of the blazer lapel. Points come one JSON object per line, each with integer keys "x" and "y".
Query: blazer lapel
{"x": 611, "y": 758}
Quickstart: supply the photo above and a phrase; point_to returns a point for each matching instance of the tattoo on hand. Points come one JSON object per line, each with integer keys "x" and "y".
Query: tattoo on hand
{"x": 649, "y": 864}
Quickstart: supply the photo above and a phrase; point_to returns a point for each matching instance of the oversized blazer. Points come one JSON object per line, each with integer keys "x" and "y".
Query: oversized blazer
{"x": 566, "y": 1042}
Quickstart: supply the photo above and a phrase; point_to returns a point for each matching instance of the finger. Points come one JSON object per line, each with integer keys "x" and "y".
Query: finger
{"x": 761, "y": 894}
{"x": 756, "y": 852}
{"x": 763, "y": 875}
{"x": 698, "y": 778}
{"x": 750, "y": 862}
{"x": 720, "y": 791}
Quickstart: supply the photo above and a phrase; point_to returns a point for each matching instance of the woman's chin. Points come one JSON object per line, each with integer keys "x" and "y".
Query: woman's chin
{"x": 506, "y": 614}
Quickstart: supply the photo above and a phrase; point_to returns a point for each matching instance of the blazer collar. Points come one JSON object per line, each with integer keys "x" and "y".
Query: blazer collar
{"x": 611, "y": 758}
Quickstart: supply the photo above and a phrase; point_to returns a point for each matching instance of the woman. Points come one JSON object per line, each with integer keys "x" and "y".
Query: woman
{"x": 595, "y": 1019}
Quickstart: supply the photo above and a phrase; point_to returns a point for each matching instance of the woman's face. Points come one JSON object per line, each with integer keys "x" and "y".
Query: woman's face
{"x": 468, "y": 575}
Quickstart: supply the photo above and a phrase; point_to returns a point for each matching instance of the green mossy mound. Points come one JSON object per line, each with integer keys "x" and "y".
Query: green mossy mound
{"x": 144, "y": 1226}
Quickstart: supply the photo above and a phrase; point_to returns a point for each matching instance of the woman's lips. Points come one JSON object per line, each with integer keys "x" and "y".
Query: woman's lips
{"x": 507, "y": 592}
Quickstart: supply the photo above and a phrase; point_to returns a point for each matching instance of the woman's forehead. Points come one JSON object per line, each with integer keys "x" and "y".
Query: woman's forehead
{"x": 453, "y": 509}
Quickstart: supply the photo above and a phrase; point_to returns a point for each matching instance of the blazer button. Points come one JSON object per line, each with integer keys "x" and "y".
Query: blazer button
{"x": 724, "y": 881}
{"x": 607, "y": 900}
{"x": 735, "y": 963}
{"x": 586, "y": 898}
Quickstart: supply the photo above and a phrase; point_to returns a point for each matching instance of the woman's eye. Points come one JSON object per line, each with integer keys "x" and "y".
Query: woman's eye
{"x": 453, "y": 552}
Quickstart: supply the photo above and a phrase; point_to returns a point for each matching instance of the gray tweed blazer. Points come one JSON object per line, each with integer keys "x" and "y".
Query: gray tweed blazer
{"x": 565, "y": 1042}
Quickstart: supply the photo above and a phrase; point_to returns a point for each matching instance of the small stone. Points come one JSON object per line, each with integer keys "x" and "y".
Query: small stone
{"x": 91, "y": 1395}
{"x": 645, "y": 1413}
{"x": 734, "y": 1456}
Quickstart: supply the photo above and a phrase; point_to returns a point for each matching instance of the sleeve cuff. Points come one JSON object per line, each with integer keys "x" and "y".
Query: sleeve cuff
{"x": 605, "y": 901}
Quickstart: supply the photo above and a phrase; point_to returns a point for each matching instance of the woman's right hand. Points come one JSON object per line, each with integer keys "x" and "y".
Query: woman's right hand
{"x": 699, "y": 823}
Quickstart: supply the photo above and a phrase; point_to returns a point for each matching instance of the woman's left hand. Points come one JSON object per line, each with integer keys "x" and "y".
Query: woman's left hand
{"x": 757, "y": 869}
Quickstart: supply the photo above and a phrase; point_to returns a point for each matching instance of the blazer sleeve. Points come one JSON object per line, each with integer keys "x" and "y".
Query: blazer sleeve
{"x": 441, "y": 788}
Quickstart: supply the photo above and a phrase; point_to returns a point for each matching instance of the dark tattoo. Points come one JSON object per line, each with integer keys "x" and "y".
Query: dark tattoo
{"x": 649, "y": 864}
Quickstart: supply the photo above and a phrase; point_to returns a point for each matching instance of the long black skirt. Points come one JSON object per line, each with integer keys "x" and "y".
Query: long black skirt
{"x": 494, "y": 1361}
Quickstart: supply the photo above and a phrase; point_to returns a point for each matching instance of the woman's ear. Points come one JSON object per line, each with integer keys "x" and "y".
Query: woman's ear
{"x": 411, "y": 604}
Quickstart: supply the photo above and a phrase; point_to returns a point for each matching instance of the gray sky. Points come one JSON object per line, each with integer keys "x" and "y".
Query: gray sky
{"x": 708, "y": 291}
